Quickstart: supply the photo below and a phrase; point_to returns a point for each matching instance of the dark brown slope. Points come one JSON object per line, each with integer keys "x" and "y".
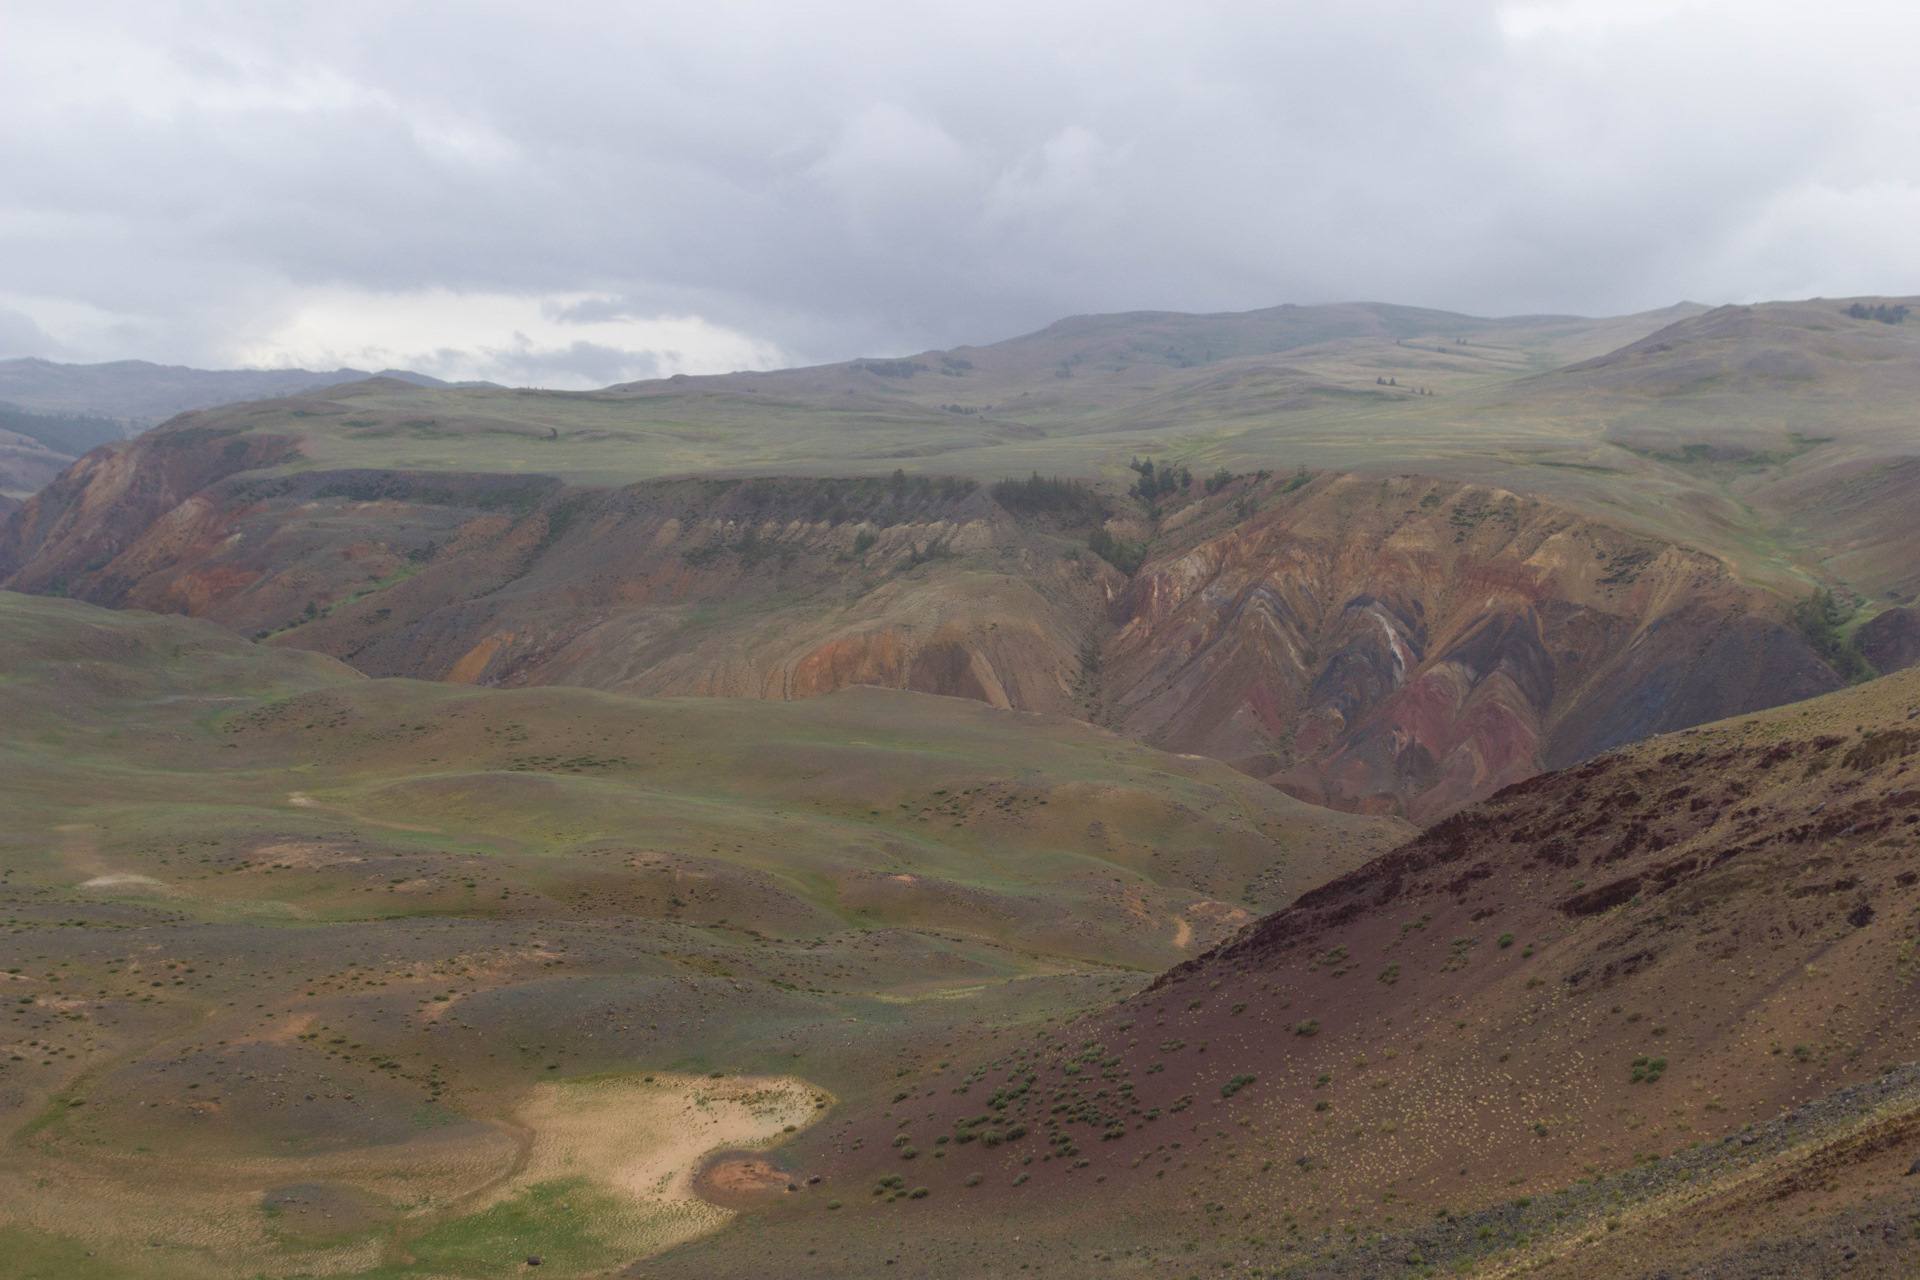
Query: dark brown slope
{"x": 1643, "y": 953}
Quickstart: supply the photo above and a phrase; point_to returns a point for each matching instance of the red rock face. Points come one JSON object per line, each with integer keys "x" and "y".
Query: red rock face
{"x": 1383, "y": 646}
{"x": 1411, "y": 646}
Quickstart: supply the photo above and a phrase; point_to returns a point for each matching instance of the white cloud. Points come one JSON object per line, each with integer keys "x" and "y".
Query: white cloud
{"x": 746, "y": 181}
{"x": 565, "y": 341}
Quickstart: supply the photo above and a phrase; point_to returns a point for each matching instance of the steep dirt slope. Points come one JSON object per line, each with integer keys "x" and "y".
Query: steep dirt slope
{"x": 1641, "y": 954}
{"x": 1398, "y": 645}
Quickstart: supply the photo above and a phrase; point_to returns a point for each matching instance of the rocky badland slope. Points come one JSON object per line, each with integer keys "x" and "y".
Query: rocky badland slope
{"x": 1382, "y": 645}
{"x": 1599, "y": 987}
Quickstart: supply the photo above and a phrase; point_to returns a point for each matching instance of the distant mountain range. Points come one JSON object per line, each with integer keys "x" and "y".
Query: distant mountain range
{"x": 71, "y": 408}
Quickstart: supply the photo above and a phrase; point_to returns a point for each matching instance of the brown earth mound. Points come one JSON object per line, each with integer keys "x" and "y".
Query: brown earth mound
{"x": 1595, "y": 968}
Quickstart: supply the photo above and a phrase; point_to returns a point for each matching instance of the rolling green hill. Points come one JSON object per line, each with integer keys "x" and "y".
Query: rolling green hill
{"x": 273, "y": 929}
{"x": 1701, "y": 427}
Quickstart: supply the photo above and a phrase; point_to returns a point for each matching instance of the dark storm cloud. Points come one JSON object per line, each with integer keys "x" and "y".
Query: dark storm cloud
{"x": 664, "y": 187}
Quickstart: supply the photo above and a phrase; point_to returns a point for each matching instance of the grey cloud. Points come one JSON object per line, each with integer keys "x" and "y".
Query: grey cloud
{"x": 855, "y": 178}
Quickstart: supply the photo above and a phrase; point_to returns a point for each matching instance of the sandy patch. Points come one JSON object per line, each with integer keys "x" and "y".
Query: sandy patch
{"x": 304, "y": 853}
{"x": 120, "y": 881}
{"x": 645, "y": 1141}
{"x": 1217, "y": 919}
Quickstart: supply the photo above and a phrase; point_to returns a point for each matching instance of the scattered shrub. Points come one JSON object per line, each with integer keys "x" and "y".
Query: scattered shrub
{"x": 1235, "y": 1084}
{"x": 1880, "y": 748}
{"x": 1896, "y": 313}
{"x": 1154, "y": 484}
{"x": 1819, "y": 619}
{"x": 1127, "y": 557}
{"x": 1308, "y": 1027}
{"x": 1043, "y": 495}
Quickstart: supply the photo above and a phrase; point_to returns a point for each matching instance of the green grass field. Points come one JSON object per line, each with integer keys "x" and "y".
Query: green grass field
{"x": 269, "y": 924}
{"x": 1707, "y": 434}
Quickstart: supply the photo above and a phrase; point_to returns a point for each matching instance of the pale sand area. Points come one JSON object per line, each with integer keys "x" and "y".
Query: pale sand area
{"x": 645, "y": 1140}
{"x": 638, "y": 1142}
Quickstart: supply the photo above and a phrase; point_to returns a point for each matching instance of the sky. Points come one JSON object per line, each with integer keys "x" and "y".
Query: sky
{"x": 572, "y": 194}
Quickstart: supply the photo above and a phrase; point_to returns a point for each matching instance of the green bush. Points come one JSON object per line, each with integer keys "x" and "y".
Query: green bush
{"x": 1895, "y": 313}
{"x": 1819, "y": 619}
{"x": 1154, "y": 484}
{"x": 1127, "y": 557}
{"x": 1043, "y": 495}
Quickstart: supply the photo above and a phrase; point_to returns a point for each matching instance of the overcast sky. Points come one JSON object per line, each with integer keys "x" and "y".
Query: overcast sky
{"x": 571, "y": 194}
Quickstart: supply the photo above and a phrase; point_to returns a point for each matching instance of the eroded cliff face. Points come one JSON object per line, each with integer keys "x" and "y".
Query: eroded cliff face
{"x": 1404, "y": 645}
{"x": 761, "y": 589}
{"x": 1413, "y": 645}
